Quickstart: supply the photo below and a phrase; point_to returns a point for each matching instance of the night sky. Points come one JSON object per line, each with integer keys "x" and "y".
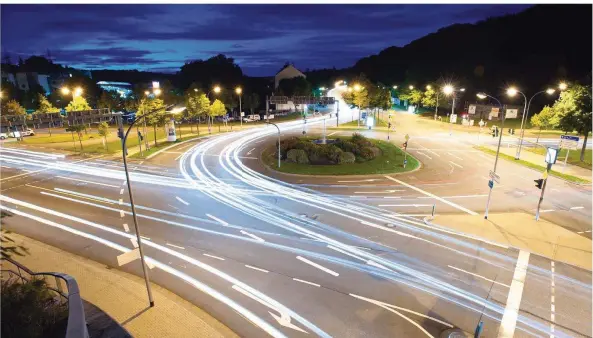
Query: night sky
{"x": 261, "y": 38}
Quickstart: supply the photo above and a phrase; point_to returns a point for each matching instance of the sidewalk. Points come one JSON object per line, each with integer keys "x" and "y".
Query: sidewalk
{"x": 123, "y": 296}
{"x": 538, "y": 159}
{"x": 521, "y": 230}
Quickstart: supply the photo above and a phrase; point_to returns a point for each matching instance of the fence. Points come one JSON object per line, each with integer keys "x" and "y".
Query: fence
{"x": 62, "y": 285}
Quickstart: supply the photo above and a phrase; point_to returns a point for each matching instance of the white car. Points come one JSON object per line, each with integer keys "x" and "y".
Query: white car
{"x": 3, "y": 136}
{"x": 26, "y": 132}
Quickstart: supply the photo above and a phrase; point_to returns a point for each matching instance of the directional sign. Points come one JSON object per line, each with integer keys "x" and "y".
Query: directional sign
{"x": 569, "y": 142}
{"x": 494, "y": 176}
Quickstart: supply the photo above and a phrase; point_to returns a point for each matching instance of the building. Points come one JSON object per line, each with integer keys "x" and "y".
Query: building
{"x": 124, "y": 89}
{"x": 288, "y": 72}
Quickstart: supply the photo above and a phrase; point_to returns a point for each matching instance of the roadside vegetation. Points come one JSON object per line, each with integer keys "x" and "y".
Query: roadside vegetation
{"x": 356, "y": 155}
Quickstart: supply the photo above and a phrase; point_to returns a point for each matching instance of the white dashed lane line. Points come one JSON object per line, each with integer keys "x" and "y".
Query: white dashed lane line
{"x": 305, "y": 282}
{"x": 180, "y": 200}
{"x": 256, "y": 268}
{"x": 320, "y": 267}
{"x": 212, "y": 256}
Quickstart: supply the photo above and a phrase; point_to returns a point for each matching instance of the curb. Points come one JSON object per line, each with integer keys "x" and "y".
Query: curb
{"x": 173, "y": 145}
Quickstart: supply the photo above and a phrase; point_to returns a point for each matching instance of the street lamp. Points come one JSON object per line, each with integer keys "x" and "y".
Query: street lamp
{"x": 512, "y": 92}
{"x": 394, "y": 87}
{"x": 157, "y": 92}
{"x": 450, "y": 90}
{"x": 357, "y": 87}
{"x": 146, "y": 93}
{"x": 483, "y": 96}
{"x": 77, "y": 92}
{"x": 65, "y": 90}
{"x": 411, "y": 87}
{"x": 239, "y": 91}
{"x": 562, "y": 86}
{"x": 124, "y": 152}
{"x": 428, "y": 87}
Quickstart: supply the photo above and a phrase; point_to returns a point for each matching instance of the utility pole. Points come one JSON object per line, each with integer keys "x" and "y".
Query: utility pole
{"x": 337, "y": 113}
{"x": 491, "y": 182}
{"x": 543, "y": 187}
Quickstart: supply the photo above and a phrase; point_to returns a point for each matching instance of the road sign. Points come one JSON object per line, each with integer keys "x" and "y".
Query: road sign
{"x": 551, "y": 155}
{"x": 490, "y": 184}
{"x": 453, "y": 118}
{"x": 494, "y": 176}
{"x": 364, "y": 115}
{"x": 569, "y": 142}
{"x": 242, "y": 114}
{"x": 512, "y": 113}
{"x": 481, "y": 123}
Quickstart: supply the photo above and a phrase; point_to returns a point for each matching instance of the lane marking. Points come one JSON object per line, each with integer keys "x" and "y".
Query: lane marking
{"x": 459, "y": 196}
{"x": 405, "y": 205}
{"x": 215, "y": 257}
{"x": 552, "y": 299}
{"x": 180, "y": 200}
{"x": 421, "y": 153}
{"x": 356, "y": 181}
{"x": 121, "y": 213}
{"x": 576, "y": 208}
{"x": 378, "y": 192}
{"x": 547, "y": 210}
{"x": 457, "y": 157}
{"x": 256, "y": 268}
{"x": 335, "y": 132}
{"x": 218, "y": 220}
{"x": 249, "y": 152}
{"x": 455, "y": 164}
{"x": 146, "y": 238}
{"x": 252, "y": 236}
{"x": 174, "y": 207}
{"x": 178, "y": 157}
{"x": 432, "y": 195}
{"x": 305, "y": 282}
{"x": 85, "y": 181}
{"x": 175, "y": 246}
{"x": 430, "y": 151}
{"x": 345, "y": 252}
{"x": 380, "y": 266}
{"x": 479, "y": 276}
{"x": 121, "y": 201}
{"x": 126, "y": 227}
{"x": 584, "y": 232}
{"x": 121, "y": 191}
{"x": 511, "y": 311}
{"x": 320, "y": 267}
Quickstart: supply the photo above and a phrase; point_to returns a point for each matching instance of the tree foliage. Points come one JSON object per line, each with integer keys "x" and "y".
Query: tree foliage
{"x": 217, "y": 109}
{"x": 415, "y": 97}
{"x": 574, "y": 112}
{"x": 110, "y": 100}
{"x": 78, "y": 103}
{"x": 103, "y": 130}
{"x": 546, "y": 119}
{"x": 14, "y": 108}
{"x": 45, "y": 106}
{"x": 197, "y": 104}
{"x": 78, "y": 129}
{"x": 429, "y": 99}
{"x": 251, "y": 101}
{"x": 296, "y": 86}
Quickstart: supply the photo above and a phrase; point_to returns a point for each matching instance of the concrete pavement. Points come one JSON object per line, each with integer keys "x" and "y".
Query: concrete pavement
{"x": 123, "y": 296}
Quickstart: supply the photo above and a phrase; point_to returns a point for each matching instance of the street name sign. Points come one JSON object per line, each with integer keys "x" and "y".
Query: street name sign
{"x": 494, "y": 176}
{"x": 569, "y": 142}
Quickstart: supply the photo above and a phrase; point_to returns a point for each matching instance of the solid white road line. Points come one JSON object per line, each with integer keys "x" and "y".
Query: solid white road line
{"x": 252, "y": 236}
{"x": 215, "y": 257}
{"x": 255, "y": 268}
{"x": 218, "y": 220}
{"x": 479, "y": 276}
{"x": 511, "y": 311}
{"x": 121, "y": 201}
{"x": 457, "y": 157}
{"x": 459, "y": 196}
{"x": 576, "y": 208}
{"x": 175, "y": 246}
{"x": 552, "y": 299}
{"x": 126, "y": 227}
{"x": 378, "y": 192}
{"x": 180, "y": 200}
{"x": 455, "y": 164}
{"x": 423, "y": 154}
{"x": 121, "y": 191}
{"x": 320, "y": 267}
{"x": 304, "y": 281}
{"x": 86, "y": 181}
{"x": 432, "y": 195}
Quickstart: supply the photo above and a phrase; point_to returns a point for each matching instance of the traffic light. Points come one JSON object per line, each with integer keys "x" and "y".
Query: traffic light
{"x": 405, "y": 145}
{"x": 539, "y": 183}
{"x": 389, "y": 125}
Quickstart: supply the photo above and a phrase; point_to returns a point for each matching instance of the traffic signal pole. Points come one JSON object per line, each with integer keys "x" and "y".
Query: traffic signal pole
{"x": 495, "y": 160}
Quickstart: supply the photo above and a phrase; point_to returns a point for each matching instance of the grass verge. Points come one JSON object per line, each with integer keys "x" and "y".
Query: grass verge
{"x": 540, "y": 168}
{"x": 574, "y": 157}
{"x": 390, "y": 161}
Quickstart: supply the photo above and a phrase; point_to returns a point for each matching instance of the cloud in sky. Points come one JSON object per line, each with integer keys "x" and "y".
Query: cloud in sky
{"x": 259, "y": 37}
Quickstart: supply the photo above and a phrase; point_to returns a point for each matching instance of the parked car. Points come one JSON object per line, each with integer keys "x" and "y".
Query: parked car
{"x": 3, "y": 136}
{"x": 26, "y": 132}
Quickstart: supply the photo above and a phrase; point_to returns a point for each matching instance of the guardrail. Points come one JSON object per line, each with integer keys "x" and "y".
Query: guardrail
{"x": 55, "y": 282}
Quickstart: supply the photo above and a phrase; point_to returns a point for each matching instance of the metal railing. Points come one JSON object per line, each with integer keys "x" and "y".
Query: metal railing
{"x": 63, "y": 285}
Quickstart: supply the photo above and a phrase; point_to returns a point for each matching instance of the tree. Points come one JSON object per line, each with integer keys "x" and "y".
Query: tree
{"x": 78, "y": 103}
{"x": 574, "y": 112}
{"x": 78, "y": 129}
{"x": 103, "y": 130}
{"x": 296, "y": 86}
{"x": 45, "y": 106}
{"x": 197, "y": 105}
{"x": 110, "y": 100}
{"x": 546, "y": 119}
{"x": 148, "y": 106}
{"x": 251, "y": 101}
{"x": 415, "y": 97}
{"x": 216, "y": 109}
{"x": 429, "y": 99}
{"x": 15, "y": 108}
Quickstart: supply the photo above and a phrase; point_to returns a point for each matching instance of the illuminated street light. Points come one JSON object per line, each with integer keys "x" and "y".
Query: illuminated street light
{"x": 65, "y": 90}
{"x": 77, "y": 92}
{"x": 481, "y": 96}
{"x": 350, "y": 89}
{"x": 322, "y": 88}
{"x": 394, "y": 87}
{"x": 462, "y": 89}
{"x": 196, "y": 90}
{"x": 411, "y": 87}
{"x": 550, "y": 91}
{"x": 448, "y": 90}
{"x": 562, "y": 86}
{"x": 238, "y": 90}
{"x": 512, "y": 91}
{"x": 147, "y": 93}
{"x": 217, "y": 89}
{"x": 428, "y": 87}
{"x": 357, "y": 87}
{"x": 157, "y": 92}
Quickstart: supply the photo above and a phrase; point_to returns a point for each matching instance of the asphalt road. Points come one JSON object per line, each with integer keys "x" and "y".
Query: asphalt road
{"x": 318, "y": 257}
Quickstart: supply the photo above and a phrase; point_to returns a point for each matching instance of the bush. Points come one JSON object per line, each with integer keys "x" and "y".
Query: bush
{"x": 333, "y": 153}
{"x": 30, "y": 310}
{"x": 361, "y": 141}
{"x": 297, "y": 156}
{"x": 317, "y": 154}
{"x": 376, "y": 151}
{"x": 366, "y": 153}
{"x": 346, "y": 146}
{"x": 346, "y": 157}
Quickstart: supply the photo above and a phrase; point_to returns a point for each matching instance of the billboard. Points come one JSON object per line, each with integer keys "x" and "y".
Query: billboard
{"x": 493, "y": 113}
{"x": 511, "y": 113}
{"x": 471, "y": 109}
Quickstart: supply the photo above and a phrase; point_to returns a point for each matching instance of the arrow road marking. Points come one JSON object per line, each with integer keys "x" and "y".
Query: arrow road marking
{"x": 249, "y": 152}
{"x": 320, "y": 267}
{"x": 284, "y": 318}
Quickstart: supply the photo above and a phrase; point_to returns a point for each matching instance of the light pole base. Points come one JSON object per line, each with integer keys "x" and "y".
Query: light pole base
{"x": 152, "y": 304}
{"x": 485, "y": 217}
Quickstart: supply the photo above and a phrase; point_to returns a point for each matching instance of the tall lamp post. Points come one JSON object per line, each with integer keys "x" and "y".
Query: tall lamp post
{"x": 450, "y": 90}
{"x": 239, "y": 91}
{"x": 124, "y": 137}
{"x": 483, "y": 96}
{"x": 512, "y": 92}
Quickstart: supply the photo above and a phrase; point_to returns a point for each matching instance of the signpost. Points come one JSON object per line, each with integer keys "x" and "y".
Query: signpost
{"x": 494, "y": 176}
{"x": 405, "y": 150}
{"x": 569, "y": 143}
{"x": 551, "y": 156}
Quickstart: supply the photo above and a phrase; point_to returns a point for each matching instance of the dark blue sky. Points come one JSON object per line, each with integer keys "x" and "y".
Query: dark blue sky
{"x": 261, "y": 38}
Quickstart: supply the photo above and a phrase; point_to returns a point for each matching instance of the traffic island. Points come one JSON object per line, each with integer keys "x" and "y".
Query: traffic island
{"x": 356, "y": 155}
{"x": 522, "y": 231}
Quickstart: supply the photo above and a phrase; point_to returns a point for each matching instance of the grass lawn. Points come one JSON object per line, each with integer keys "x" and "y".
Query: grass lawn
{"x": 534, "y": 166}
{"x": 574, "y": 156}
{"x": 390, "y": 161}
